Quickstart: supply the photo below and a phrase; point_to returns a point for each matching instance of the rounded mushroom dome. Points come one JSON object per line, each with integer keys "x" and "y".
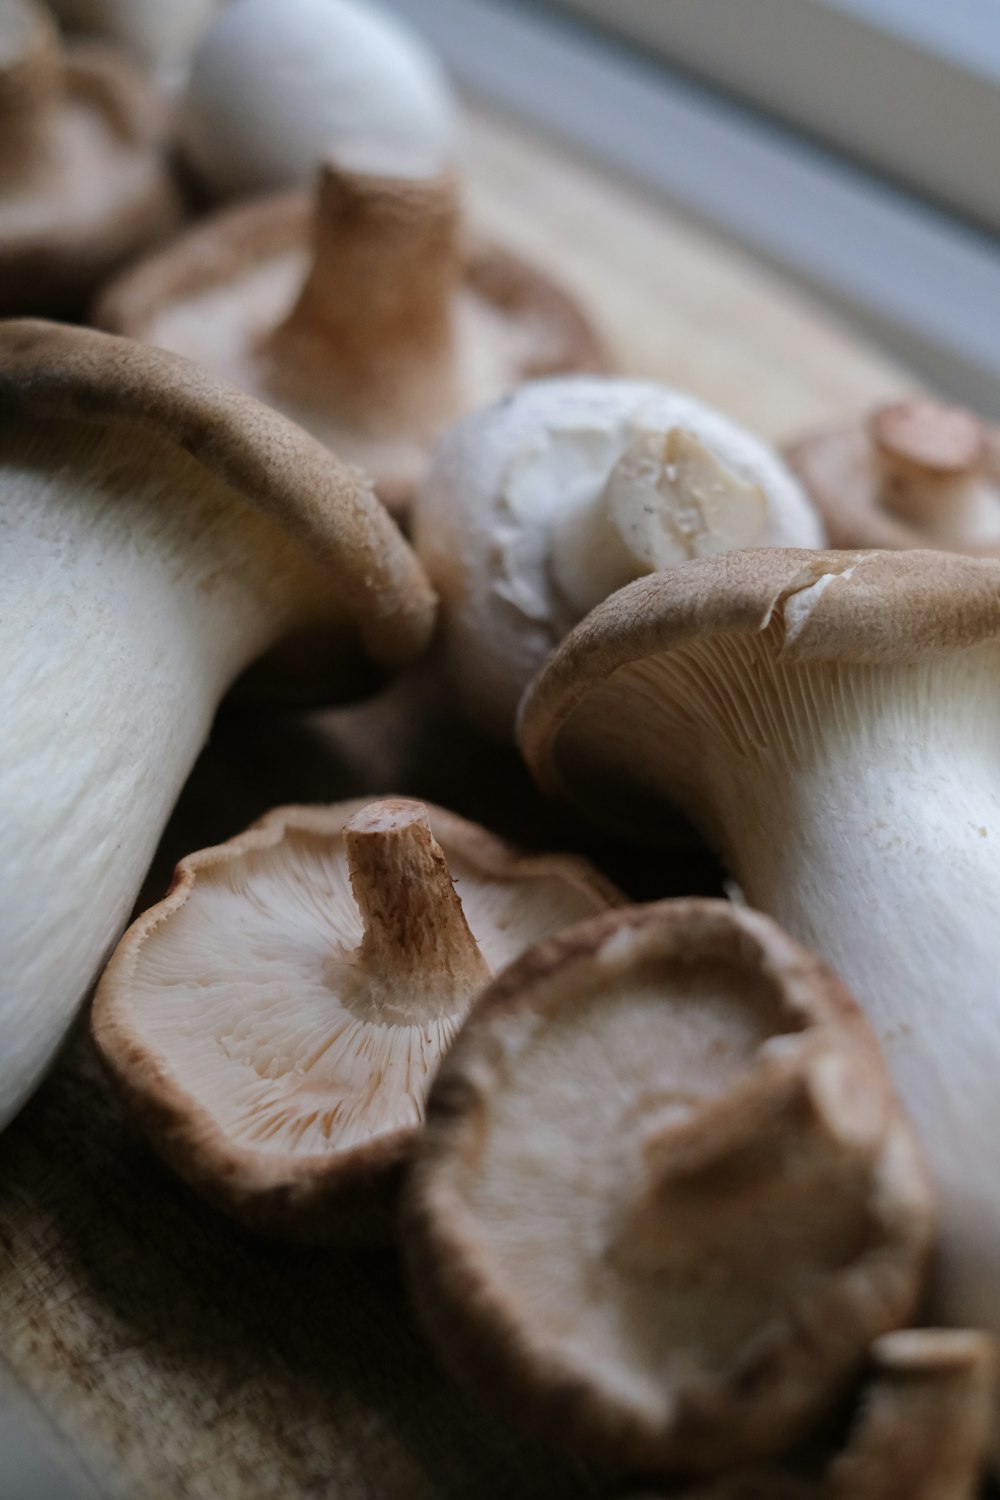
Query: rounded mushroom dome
{"x": 275, "y": 87}
{"x": 537, "y": 507}
{"x": 665, "y": 1196}
{"x": 276, "y": 1020}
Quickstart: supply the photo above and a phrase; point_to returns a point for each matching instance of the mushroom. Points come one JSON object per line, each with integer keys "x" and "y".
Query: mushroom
{"x": 275, "y": 1022}
{"x": 274, "y": 88}
{"x": 538, "y": 507}
{"x": 161, "y": 531}
{"x": 83, "y": 180}
{"x": 830, "y": 721}
{"x": 924, "y": 1428}
{"x": 361, "y": 315}
{"x": 916, "y": 474}
{"x": 161, "y": 36}
{"x": 665, "y": 1196}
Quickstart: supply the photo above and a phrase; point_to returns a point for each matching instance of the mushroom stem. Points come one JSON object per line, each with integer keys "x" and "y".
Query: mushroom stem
{"x": 374, "y": 315}
{"x": 865, "y": 817}
{"x": 667, "y": 499}
{"x": 417, "y": 958}
{"x": 924, "y": 1429}
{"x": 802, "y": 1132}
{"x": 30, "y": 78}
{"x": 929, "y": 460}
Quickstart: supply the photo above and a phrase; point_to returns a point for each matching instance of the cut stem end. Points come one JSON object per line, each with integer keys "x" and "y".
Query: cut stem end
{"x": 418, "y": 958}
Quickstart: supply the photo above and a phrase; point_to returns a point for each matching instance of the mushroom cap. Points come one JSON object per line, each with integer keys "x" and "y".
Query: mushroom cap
{"x": 374, "y": 590}
{"x": 274, "y": 87}
{"x": 84, "y": 184}
{"x": 612, "y": 720}
{"x": 500, "y": 480}
{"x": 226, "y": 1018}
{"x": 665, "y": 1196}
{"x": 218, "y": 292}
{"x": 926, "y": 441}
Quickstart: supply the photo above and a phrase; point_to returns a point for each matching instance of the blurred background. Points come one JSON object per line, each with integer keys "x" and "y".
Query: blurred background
{"x": 851, "y": 143}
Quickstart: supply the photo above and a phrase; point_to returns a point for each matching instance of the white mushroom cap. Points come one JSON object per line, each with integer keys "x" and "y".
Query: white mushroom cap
{"x": 539, "y": 506}
{"x": 275, "y": 1022}
{"x": 276, "y": 85}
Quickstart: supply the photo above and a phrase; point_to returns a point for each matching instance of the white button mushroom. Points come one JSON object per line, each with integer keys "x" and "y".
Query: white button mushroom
{"x": 538, "y": 507}
{"x": 160, "y": 532}
{"x": 831, "y": 721}
{"x": 277, "y": 84}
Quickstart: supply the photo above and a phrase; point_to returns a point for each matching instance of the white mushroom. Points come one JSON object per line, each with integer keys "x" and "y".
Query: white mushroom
{"x": 539, "y": 506}
{"x": 161, "y": 531}
{"x": 276, "y": 85}
{"x": 830, "y": 720}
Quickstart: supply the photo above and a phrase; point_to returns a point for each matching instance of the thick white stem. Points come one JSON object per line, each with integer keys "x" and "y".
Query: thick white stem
{"x": 127, "y": 609}
{"x": 881, "y": 851}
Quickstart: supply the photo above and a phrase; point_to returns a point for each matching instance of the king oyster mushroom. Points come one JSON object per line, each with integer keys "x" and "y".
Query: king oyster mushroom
{"x": 83, "y": 181}
{"x": 916, "y": 474}
{"x": 161, "y": 531}
{"x": 274, "y": 88}
{"x": 360, "y": 313}
{"x": 830, "y": 721}
{"x": 275, "y": 1022}
{"x": 665, "y": 1196}
{"x": 538, "y": 507}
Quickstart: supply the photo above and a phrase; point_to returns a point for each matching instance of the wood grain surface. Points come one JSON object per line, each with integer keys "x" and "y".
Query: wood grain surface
{"x": 149, "y": 1350}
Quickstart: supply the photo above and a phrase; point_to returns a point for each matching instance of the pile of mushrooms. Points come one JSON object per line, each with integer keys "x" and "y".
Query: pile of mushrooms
{"x": 671, "y": 1183}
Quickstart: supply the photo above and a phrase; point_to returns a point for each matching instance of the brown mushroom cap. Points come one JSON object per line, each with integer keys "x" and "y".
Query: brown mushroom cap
{"x": 276, "y": 1020}
{"x": 665, "y": 1196}
{"x": 56, "y": 381}
{"x": 915, "y": 473}
{"x": 627, "y": 708}
{"x": 83, "y": 178}
{"x": 389, "y": 327}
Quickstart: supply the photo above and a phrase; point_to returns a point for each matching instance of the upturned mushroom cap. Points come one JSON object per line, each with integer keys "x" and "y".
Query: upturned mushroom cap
{"x": 162, "y": 531}
{"x": 650, "y": 690}
{"x": 916, "y": 473}
{"x": 275, "y": 87}
{"x": 924, "y": 1428}
{"x": 536, "y": 508}
{"x": 360, "y": 312}
{"x": 665, "y": 1196}
{"x": 275, "y": 1022}
{"x": 83, "y": 178}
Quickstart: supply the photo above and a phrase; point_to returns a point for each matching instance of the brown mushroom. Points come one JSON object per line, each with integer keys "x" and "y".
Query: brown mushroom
{"x": 83, "y": 178}
{"x": 915, "y": 474}
{"x": 665, "y": 1196}
{"x": 275, "y": 1022}
{"x": 161, "y": 531}
{"x": 365, "y": 316}
{"x": 924, "y": 1429}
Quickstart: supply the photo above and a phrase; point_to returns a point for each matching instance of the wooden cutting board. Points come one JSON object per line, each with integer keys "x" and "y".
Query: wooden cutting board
{"x": 148, "y": 1349}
